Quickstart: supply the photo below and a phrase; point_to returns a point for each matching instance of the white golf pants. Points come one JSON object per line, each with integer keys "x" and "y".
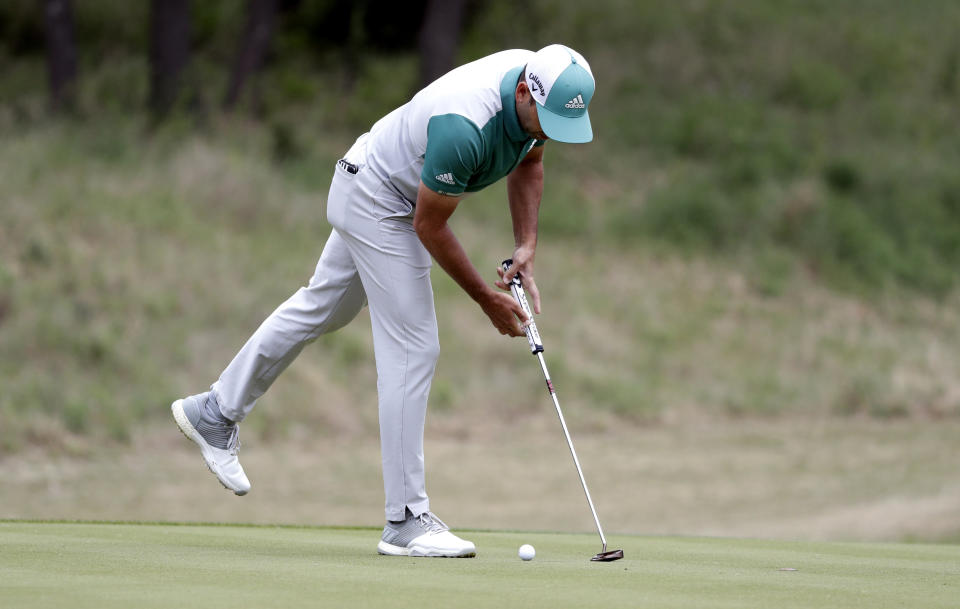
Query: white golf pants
{"x": 372, "y": 255}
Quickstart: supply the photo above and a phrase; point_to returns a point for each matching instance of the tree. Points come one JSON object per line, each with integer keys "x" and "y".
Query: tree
{"x": 440, "y": 37}
{"x": 61, "y": 53}
{"x": 257, "y": 33}
{"x": 169, "y": 52}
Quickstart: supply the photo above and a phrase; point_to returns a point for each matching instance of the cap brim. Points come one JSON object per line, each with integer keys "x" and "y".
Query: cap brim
{"x": 564, "y": 128}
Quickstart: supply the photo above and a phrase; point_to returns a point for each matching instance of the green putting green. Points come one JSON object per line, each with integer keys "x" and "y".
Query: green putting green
{"x": 80, "y": 565}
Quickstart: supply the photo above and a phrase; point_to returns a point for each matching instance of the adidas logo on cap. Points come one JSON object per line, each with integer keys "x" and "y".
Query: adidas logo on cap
{"x": 446, "y": 178}
{"x": 576, "y": 102}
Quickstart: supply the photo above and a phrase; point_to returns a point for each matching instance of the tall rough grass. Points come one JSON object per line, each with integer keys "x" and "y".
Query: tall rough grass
{"x": 767, "y": 225}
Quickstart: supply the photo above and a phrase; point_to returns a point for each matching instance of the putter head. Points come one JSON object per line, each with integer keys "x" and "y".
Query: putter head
{"x": 608, "y": 556}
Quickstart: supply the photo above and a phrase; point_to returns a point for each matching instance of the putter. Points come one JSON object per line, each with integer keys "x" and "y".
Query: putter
{"x": 536, "y": 347}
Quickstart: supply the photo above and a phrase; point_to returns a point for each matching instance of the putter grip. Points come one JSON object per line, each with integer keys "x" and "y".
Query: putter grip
{"x": 533, "y": 336}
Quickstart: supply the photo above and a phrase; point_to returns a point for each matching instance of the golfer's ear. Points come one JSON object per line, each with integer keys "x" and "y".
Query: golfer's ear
{"x": 522, "y": 92}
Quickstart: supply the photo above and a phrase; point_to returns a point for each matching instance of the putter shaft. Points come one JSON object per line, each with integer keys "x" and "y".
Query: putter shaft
{"x": 573, "y": 452}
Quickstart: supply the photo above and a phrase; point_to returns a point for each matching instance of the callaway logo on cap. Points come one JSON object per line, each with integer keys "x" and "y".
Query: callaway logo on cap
{"x": 562, "y": 85}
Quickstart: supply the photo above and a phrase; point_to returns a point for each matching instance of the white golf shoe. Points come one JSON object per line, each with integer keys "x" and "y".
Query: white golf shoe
{"x": 218, "y": 439}
{"x": 423, "y": 535}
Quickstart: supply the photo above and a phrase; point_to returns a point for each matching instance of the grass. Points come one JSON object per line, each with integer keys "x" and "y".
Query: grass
{"x": 133, "y": 267}
{"x": 728, "y": 128}
{"x": 798, "y": 478}
{"x": 77, "y": 565}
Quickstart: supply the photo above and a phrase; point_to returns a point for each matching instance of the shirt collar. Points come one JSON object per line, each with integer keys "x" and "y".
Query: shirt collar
{"x": 511, "y": 123}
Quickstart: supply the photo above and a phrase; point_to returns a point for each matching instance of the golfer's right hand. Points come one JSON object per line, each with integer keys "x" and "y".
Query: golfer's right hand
{"x": 505, "y": 313}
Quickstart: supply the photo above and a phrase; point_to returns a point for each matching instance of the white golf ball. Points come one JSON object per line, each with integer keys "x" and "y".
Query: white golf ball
{"x": 526, "y": 552}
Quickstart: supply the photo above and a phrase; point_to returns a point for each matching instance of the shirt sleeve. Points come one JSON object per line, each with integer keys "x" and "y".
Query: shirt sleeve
{"x": 454, "y": 149}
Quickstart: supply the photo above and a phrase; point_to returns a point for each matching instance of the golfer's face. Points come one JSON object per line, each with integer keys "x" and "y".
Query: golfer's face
{"x": 532, "y": 126}
{"x": 536, "y": 130}
{"x": 527, "y": 113}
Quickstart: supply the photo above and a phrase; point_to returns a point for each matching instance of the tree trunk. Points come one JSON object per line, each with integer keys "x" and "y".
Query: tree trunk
{"x": 61, "y": 53}
{"x": 169, "y": 52}
{"x": 439, "y": 38}
{"x": 257, "y": 33}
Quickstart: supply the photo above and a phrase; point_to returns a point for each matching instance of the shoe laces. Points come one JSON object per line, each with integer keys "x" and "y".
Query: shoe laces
{"x": 431, "y": 523}
{"x": 233, "y": 444}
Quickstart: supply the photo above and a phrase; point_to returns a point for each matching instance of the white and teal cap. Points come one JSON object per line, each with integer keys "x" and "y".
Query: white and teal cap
{"x": 562, "y": 84}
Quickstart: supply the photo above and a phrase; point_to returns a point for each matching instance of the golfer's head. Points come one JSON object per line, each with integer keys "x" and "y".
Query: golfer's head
{"x": 561, "y": 84}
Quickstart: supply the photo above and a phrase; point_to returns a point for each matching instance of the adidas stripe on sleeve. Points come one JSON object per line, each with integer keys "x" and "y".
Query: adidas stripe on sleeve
{"x": 454, "y": 152}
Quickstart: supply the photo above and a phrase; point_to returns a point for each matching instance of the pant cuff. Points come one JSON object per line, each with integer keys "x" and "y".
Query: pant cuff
{"x": 397, "y": 515}
{"x": 419, "y": 507}
{"x": 236, "y": 417}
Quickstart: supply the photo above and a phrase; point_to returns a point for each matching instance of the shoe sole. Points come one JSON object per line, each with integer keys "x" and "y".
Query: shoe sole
{"x": 388, "y": 549}
{"x": 188, "y": 430}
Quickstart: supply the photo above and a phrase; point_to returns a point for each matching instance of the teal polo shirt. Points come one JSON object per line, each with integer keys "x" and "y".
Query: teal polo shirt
{"x": 458, "y": 135}
{"x": 463, "y": 156}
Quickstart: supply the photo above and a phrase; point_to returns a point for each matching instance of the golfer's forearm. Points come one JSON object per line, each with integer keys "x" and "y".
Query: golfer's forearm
{"x": 524, "y": 191}
{"x": 447, "y": 251}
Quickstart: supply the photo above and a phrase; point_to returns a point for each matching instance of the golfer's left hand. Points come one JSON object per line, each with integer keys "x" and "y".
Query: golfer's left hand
{"x": 523, "y": 264}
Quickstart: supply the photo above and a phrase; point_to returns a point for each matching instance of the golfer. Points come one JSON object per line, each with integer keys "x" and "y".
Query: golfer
{"x": 389, "y": 202}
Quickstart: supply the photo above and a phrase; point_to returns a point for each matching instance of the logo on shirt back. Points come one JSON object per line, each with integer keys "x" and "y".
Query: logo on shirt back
{"x": 446, "y": 178}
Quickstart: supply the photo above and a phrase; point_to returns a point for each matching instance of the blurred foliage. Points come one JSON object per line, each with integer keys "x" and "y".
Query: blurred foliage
{"x": 822, "y": 129}
{"x": 105, "y": 27}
